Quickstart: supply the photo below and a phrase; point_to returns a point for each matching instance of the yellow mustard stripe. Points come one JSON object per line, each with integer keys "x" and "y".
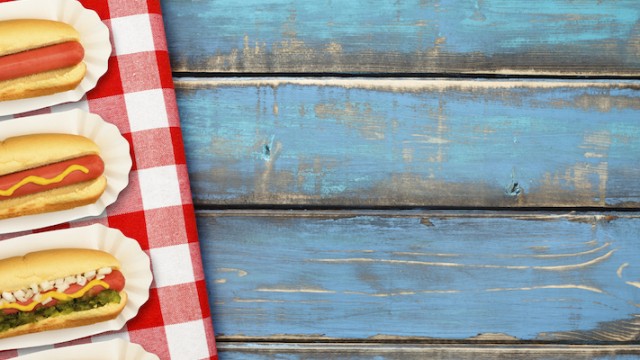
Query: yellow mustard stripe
{"x": 43, "y": 181}
{"x": 56, "y": 295}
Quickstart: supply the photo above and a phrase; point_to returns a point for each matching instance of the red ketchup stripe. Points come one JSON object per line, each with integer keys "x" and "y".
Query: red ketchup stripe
{"x": 39, "y": 60}
{"x": 93, "y": 162}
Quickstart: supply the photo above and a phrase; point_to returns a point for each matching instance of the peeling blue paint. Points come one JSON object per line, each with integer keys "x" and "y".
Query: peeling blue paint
{"x": 457, "y": 26}
{"x": 347, "y": 135}
{"x": 516, "y": 295}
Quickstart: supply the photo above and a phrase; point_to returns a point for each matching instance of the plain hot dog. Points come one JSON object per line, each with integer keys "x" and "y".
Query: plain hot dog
{"x": 39, "y": 60}
{"x": 39, "y": 57}
{"x": 48, "y": 172}
{"x": 59, "y": 288}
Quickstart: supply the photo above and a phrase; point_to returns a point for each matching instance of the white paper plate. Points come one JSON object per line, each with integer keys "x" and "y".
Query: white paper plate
{"x": 117, "y": 349}
{"x": 135, "y": 265}
{"x": 114, "y": 152}
{"x": 94, "y": 37}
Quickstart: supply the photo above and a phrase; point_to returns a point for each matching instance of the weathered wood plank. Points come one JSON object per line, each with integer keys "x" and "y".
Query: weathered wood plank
{"x": 422, "y": 275}
{"x": 297, "y": 351}
{"x": 407, "y": 142}
{"x": 544, "y": 37}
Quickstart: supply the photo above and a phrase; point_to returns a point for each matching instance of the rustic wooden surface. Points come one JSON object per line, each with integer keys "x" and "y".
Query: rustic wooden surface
{"x": 411, "y": 179}
{"x": 305, "y": 351}
{"x": 372, "y": 142}
{"x": 506, "y": 37}
{"x": 422, "y": 274}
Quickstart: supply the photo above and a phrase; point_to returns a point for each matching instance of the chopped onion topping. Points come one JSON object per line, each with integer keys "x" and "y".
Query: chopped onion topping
{"x": 104, "y": 271}
{"x": 62, "y": 287}
{"x": 34, "y": 290}
{"x": 20, "y": 295}
{"x": 46, "y": 285}
{"x": 90, "y": 275}
{"x": 8, "y": 296}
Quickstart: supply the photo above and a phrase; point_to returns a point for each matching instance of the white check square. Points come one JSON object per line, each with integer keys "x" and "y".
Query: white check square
{"x": 193, "y": 346}
{"x": 172, "y": 265}
{"x": 132, "y": 34}
{"x": 159, "y": 187}
{"x": 146, "y": 110}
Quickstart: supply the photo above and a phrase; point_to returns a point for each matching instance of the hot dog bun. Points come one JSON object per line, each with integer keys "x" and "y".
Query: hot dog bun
{"x": 21, "y": 272}
{"x": 31, "y": 151}
{"x": 27, "y": 34}
{"x": 41, "y": 84}
{"x": 54, "y": 200}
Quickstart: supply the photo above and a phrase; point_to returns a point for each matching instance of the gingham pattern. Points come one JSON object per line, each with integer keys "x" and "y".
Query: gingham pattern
{"x": 137, "y": 95}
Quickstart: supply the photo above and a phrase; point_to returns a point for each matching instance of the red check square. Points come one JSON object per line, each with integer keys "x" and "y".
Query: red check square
{"x": 164, "y": 63}
{"x": 119, "y": 8}
{"x": 157, "y": 27}
{"x": 143, "y": 70}
{"x": 132, "y": 225}
{"x": 171, "y": 106}
{"x": 154, "y": 7}
{"x": 99, "y": 6}
{"x": 201, "y": 285}
{"x": 154, "y": 148}
{"x": 110, "y": 83}
{"x": 184, "y": 294}
{"x": 168, "y": 226}
{"x": 198, "y": 269}
{"x": 177, "y": 141}
{"x": 129, "y": 200}
{"x": 153, "y": 340}
{"x": 190, "y": 222}
{"x": 150, "y": 314}
{"x": 185, "y": 189}
{"x": 112, "y": 110}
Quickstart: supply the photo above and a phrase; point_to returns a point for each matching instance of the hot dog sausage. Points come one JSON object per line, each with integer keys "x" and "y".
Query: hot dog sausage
{"x": 51, "y": 176}
{"x": 39, "y": 60}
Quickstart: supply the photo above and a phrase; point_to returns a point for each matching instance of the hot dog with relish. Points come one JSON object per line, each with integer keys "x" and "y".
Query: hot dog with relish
{"x": 59, "y": 288}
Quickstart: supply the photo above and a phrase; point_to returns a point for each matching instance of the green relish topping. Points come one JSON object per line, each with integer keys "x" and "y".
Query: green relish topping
{"x": 86, "y": 302}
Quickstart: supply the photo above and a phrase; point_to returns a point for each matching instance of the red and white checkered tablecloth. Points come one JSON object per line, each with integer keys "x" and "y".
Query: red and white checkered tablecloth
{"x": 137, "y": 95}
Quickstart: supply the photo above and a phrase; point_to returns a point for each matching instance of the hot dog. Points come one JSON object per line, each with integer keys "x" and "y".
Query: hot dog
{"x": 59, "y": 288}
{"x": 48, "y": 172}
{"x": 39, "y": 57}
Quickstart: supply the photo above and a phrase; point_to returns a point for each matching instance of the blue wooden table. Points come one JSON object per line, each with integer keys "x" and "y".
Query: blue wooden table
{"x": 415, "y": 179}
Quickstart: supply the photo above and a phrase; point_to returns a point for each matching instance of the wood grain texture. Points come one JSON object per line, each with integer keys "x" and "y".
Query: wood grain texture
{"x": 408, "y": 142}
{"x": 304, "y": 351}
{"x": 413, "y": 275}
{"x": 413, "y": 284}
{"x": 544, "y": 37}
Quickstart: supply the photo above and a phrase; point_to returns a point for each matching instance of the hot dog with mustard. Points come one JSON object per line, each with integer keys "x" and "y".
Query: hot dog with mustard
{"x": 59, "y": 288}
{"x": 39, "y": 57}
{"x": 49, "y": 172}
